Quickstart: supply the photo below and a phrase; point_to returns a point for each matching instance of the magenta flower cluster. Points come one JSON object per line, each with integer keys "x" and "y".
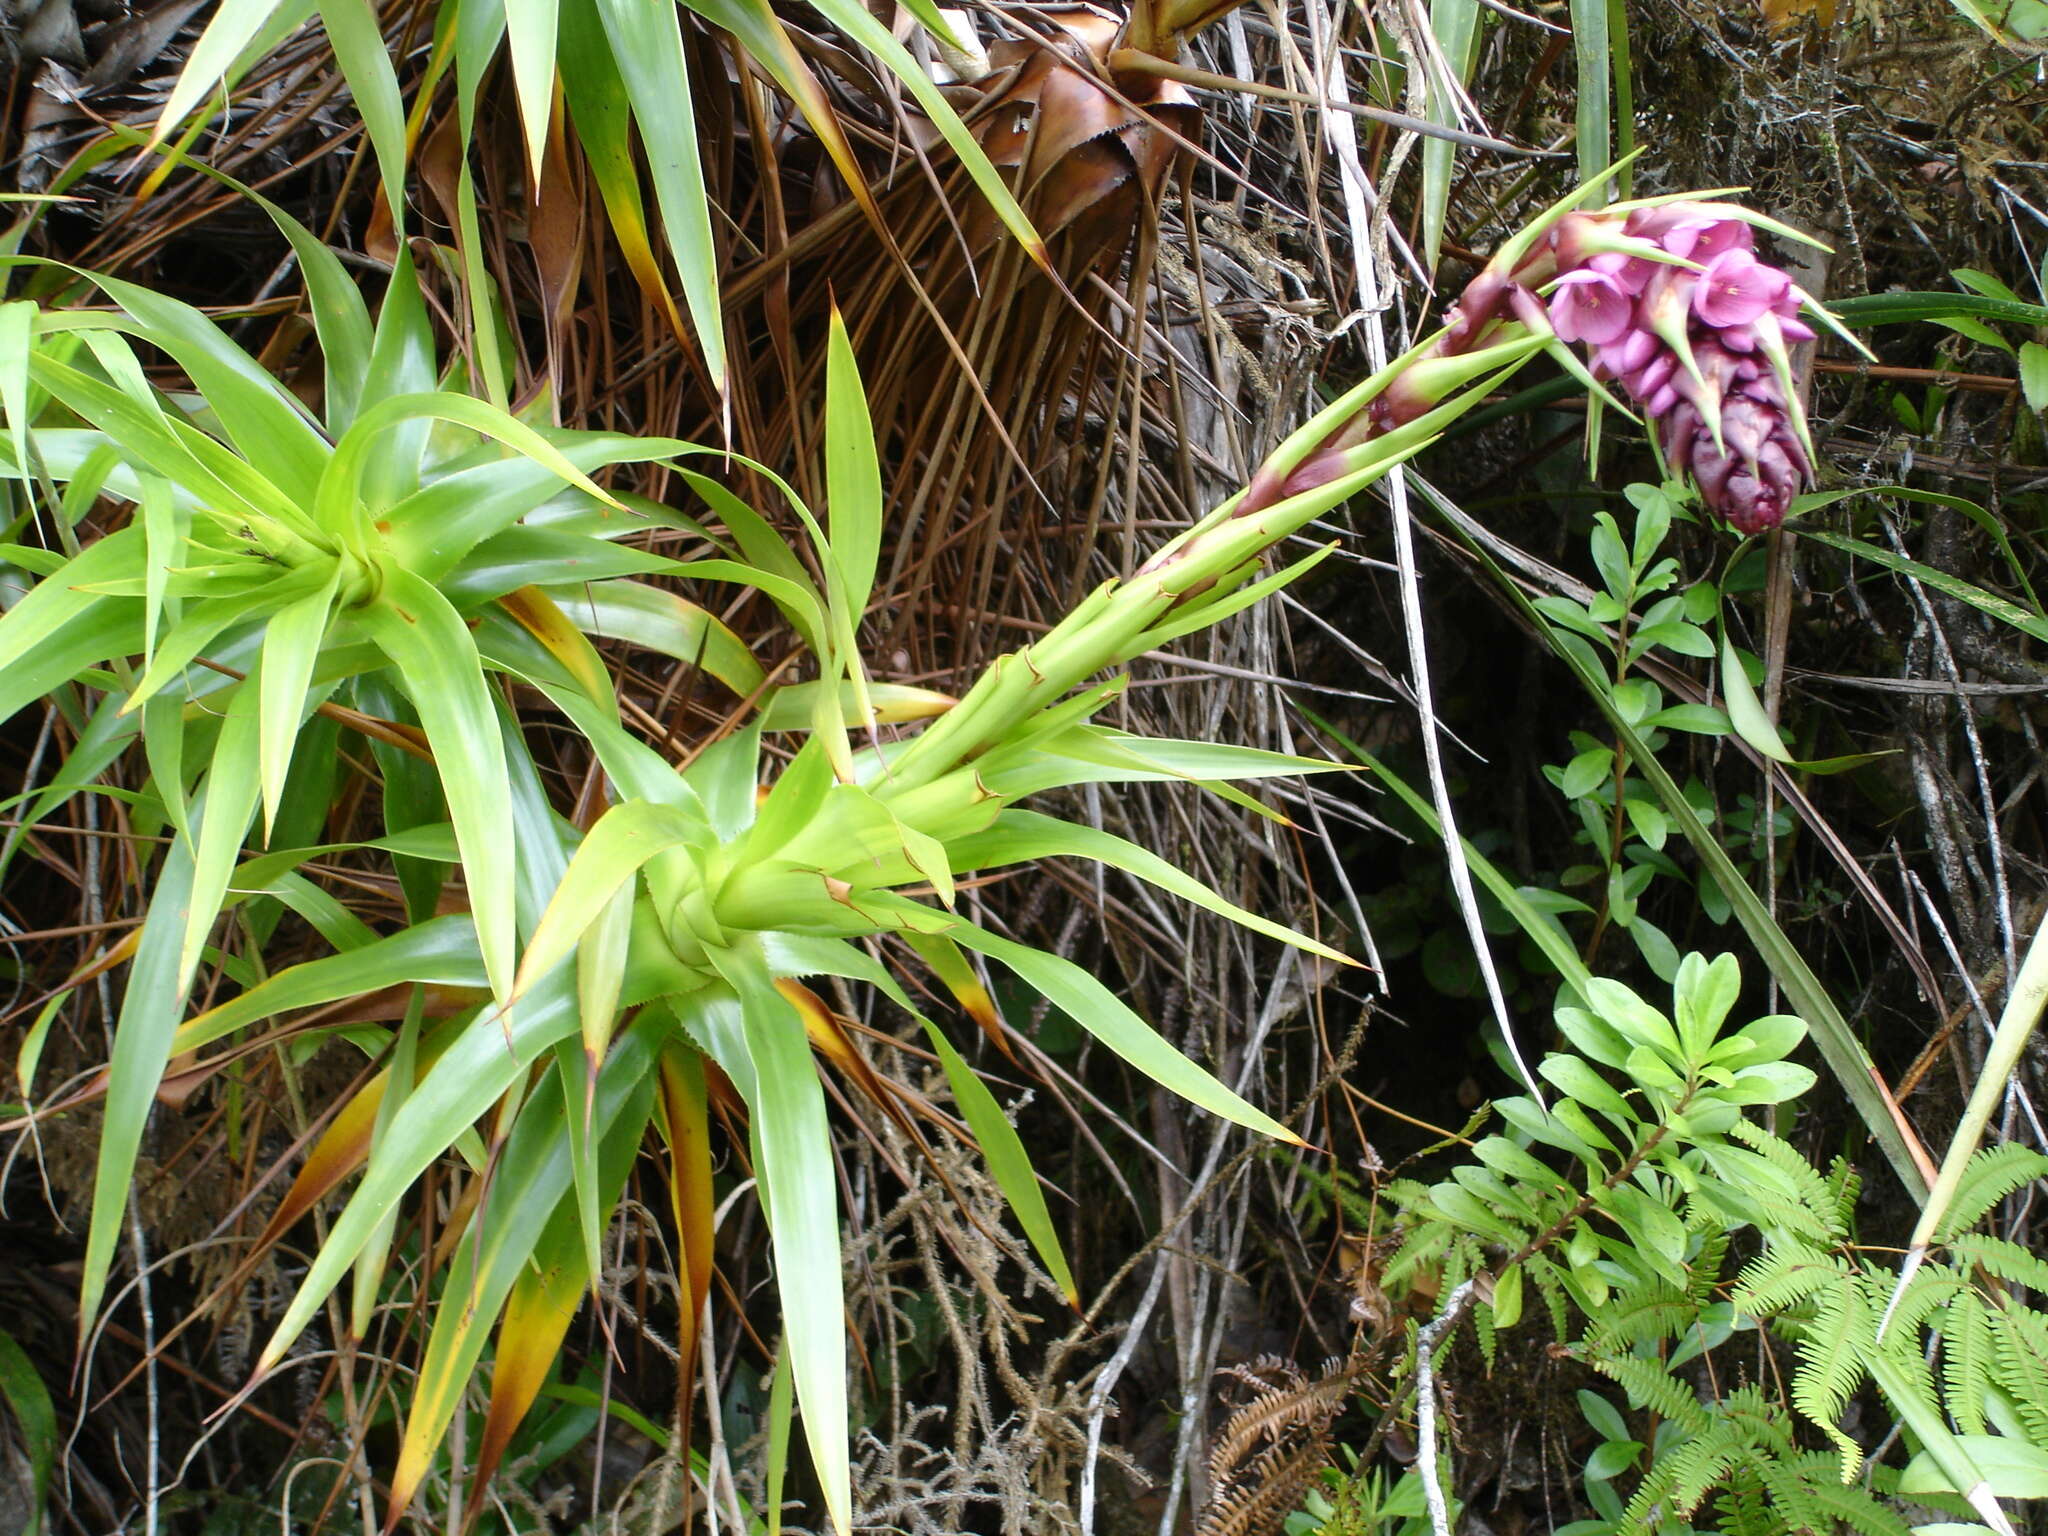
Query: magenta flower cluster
{"x": 1673, "y": 304}
{"x": 1700, "y": 347}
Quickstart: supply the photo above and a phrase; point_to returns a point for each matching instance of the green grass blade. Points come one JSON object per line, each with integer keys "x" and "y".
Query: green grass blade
{"x": 1989, "y": 603}
{"x": 647, "y": 49}
{"x": 342, "y": 488}
{"x": 2016, "y": 1025}
{"x": 475, "y": 1071}
{"x": 854, "y": 19}
{"x": 35, "y": 1418}
{"x": 1596, "y": 73}
{"x": 59, "y": 598}
{"x": 526, "y": 1195}
{"x": 234, "y": 29}
{"x": 439, "y": 952}
{"x": 1105, "y": 1016}
{"x": 604, "y": 865}
{"x": 658, "y": 620}
{"x": 230, "y": 801}
{"x": 358, "y": 43}
{"x": 1020, "y": 836}
{"x": 17, "y": 341}
{"x": 530, "y": 29}
{"x": 291, "y": 645}
{"x": 1868, "y": 309}
{"x": 1456, "y": 25}
{"x": 264, "y": 420}
{"x": 603, "y": 114}
{"x": 853, "y": 477}
{"x": 1542, "y": 931}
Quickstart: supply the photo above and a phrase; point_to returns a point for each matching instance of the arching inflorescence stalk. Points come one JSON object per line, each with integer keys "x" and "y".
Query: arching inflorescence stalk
{"x": 1671, "y": 300}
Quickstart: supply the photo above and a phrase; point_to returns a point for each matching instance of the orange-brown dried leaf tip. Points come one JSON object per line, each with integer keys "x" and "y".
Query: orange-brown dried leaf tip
{"x": 686, "y": 1125}
{"x": 537, "y": 1316}
{"x": 959, "y": 977}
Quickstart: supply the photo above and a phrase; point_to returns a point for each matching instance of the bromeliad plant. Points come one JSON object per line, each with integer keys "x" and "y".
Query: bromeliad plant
{"x": 389, "y": 568}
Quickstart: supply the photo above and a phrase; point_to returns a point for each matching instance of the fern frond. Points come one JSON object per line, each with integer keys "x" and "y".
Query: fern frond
{"x": 1966, "y": 1360}
{"x": 2020, "y": 1350}
{"x": 1821, "y": 1199}
{"x": 1931, "y": 1288}
{"x": 1543, "y": 1275}
{"x": 1786, "y": 1273}
{"x": 1646, "y": 1312}
{"x": 1744, "y": 1507}
{"x": 1849, "y": 1505}
{"x": 1704, "y": 1274}
{"x": 1987, "y": 1179}
{"x": 1847, "y": 1184}
{"x": 2008, "y": 1261}
{"x": 1650, "y": 1386}
{"x": 1424, "y": 1245}
{"x": 1791, "y": 1495}
{"x": 1832, "y": 1353}
{"x": 1699, "y": 1464}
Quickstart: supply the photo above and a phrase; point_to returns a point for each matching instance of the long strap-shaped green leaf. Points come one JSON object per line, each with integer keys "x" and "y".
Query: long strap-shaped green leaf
{"x": 1020, "y": 836}
{"x": 793, "y": 1148}
{"x": 1094, "y": 1007}
{"x": 527, "y": 1192}
{"x": 150, "y": 1005}
{"x": 432, "y": 649}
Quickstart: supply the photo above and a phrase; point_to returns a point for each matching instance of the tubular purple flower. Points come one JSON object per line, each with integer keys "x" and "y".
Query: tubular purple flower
{"x": 1652, "y": 376}
{"x": 1669, "y": 300}
{"x": 1630, "y": 272}
{"x": 1590, "y": 307}
{"x": 1736, "y": 288}
{"x": 1695, "y": 231}
{"x": 1620, "y": 358}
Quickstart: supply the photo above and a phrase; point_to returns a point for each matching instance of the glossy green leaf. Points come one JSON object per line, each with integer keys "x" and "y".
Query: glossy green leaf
{"x": 150, "y": 1004}
{"x": 35, "y": 1419}
{"x": 793, "y": 1151}
{"x": 1002, "y": 1149}
{"x": 647, "y": 49}
{"x": 432, "y": 649}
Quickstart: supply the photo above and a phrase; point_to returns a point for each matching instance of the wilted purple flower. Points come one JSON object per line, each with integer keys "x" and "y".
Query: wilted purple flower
{"x": 1736, "y": 288}
{"x": 1591, "y": 307}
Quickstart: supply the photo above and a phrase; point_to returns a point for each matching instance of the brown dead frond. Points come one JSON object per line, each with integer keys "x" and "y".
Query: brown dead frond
{"x": 1271, "y": 1448}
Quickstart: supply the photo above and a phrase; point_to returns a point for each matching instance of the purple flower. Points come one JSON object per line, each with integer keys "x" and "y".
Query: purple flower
{"x": 1755, "y": 469}
{"x": 1590, "y": 307}
{"x": 1631, "y": 272}
{"x": 1736, "y": 289}
{"x": 1620, "y": 358}
{"x": 1695, "y": 231}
